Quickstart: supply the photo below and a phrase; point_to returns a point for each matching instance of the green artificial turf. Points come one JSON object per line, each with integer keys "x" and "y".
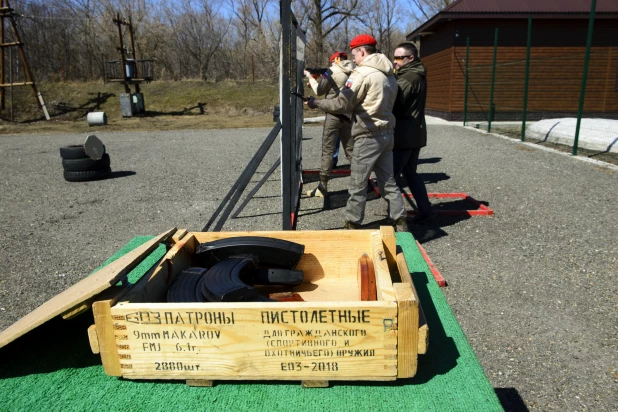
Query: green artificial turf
{"x": 53, "y": 368}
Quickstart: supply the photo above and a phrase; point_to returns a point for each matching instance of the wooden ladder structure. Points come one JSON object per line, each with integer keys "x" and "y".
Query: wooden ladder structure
{"x": 6, "y": 12}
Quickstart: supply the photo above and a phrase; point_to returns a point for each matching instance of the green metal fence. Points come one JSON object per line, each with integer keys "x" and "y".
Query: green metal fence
{"x": 543, "y": 81}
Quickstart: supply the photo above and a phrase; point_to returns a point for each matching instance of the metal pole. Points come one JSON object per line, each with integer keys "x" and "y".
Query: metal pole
{"x": 10, "y": 79}
{"x": 527, "y": 75}
{"x": 2, "y": 76}
{"x": 256, "y": 188}
{"x": 287, "y": 159}
{"x": 582, "y": 93}
{"x": 493, "y": 81}
{"x": 242, "y": 181}
{"x": 466, "y": 81}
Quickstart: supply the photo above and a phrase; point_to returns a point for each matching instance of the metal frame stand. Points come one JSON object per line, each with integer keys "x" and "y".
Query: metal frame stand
{"x": 230, "y": 200}
{"x": 256, "y": 188}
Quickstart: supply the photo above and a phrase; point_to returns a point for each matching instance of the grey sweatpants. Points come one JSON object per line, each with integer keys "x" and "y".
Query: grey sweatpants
{"x": 335, "y": 126}
{"x": 373, "y": 153}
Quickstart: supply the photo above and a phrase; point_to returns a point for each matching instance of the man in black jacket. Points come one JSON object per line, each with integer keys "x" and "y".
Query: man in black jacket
{"x": 411, "y": 129}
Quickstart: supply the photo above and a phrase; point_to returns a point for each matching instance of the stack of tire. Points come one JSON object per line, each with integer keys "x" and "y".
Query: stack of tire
{"x": 79, "y": 167}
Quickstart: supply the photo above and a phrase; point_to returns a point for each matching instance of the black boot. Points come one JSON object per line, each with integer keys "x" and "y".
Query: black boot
{"x": 322, "y": 187}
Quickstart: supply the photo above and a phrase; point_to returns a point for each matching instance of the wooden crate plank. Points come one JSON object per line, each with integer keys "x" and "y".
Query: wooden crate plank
{"x": 384, "y": 283}
{"x": 423, "y": 328}
{"x": 390, "y": 246}
{"x": 180, "y": 233}
{"x": 104, "y": 326}
{"x": 257, "y": 341}
{"x": 93, "y": 338}
{"x": 367, "y": 279}
{"x": 407, "y": 330}
{"x": 81, "y": 291}
{"x": 152, "y": 287}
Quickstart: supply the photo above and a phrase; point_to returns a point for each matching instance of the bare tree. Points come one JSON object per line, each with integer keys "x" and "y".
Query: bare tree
{"x": 70, "y": 39}
{"x": 200, "y": 31}
{"x": 383, "y": 18}
{"x": 324, "y": 16}
{"x": 250, "y": 18}
{"x": 423, "y": 10}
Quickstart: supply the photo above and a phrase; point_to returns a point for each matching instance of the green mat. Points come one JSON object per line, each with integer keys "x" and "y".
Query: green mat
{"x": 52, "y": 368}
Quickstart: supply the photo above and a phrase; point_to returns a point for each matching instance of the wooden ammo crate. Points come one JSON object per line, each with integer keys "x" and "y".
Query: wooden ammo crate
{"x": 332, "y": 335}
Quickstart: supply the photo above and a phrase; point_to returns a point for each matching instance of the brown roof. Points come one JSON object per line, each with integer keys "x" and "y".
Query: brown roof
{"x": 530, "y": 6}
{"x": 517, "y": 9}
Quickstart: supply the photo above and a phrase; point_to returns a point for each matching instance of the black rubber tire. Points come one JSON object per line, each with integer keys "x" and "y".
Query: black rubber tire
{"x": 75, "y": 151}
{"x": 84, "y": 165}
{"x": 85, "y": 176}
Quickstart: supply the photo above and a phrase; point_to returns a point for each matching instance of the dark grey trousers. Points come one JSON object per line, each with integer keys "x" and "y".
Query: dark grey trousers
{"x": 405, "y": 163}
{"x": 373, "y": 153}
{"x": 335, "y": 126}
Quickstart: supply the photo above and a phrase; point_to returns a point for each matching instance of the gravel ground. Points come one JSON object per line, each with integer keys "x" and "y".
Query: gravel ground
{"x": 533, "y": 286}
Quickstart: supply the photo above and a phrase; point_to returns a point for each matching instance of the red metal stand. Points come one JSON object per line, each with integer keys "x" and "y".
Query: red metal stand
{"x": 434, "y": 271}
{"x": 481, "y": 211}
{"x": 341, "y": 172}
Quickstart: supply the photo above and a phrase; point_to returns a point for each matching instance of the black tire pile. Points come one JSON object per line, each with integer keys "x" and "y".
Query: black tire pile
{"x": 78, "y": 167}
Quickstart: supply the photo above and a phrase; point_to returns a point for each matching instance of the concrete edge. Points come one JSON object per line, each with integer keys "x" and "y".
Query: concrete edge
{"x": 548, "y": 149}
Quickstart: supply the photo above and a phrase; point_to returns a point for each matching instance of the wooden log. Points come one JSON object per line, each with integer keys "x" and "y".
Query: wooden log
{"x": 314, "y": 384}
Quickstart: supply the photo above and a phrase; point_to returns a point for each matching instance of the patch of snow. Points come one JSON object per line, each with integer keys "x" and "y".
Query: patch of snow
{"x": 594, "y": 134}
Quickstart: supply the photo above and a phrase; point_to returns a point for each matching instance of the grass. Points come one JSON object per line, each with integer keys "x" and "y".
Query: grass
{"x": 169, "y": 106}
{"x": 515, "y": 132}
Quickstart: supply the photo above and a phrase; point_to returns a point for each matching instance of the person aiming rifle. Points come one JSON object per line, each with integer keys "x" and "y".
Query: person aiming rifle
{"x": 330, "y": 82}
{"x": 369, "y": 95}
{"x": 316, "y": 72}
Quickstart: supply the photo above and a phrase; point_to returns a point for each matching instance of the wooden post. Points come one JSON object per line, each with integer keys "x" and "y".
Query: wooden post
{"x": 123, "y": 59}
{"x": 7, "y": 12}
{"x": 133, "y": 53}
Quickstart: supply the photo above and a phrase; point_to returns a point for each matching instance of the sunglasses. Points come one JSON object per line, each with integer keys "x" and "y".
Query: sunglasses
{"x": 399, "y": 58}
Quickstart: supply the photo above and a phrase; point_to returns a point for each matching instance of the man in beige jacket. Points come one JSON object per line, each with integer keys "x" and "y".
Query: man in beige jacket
{"x": 335, "y": 125}
{"x": 369, "y": 95}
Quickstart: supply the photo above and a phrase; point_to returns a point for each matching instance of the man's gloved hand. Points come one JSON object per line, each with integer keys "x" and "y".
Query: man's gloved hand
{"x": 312, "y": 103}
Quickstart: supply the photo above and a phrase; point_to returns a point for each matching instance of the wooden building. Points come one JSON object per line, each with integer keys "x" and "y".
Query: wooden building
{"x": 558, "y": 43}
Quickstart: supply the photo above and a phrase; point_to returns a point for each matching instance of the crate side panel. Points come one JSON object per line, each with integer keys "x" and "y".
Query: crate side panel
{"x": 300, "y": 341}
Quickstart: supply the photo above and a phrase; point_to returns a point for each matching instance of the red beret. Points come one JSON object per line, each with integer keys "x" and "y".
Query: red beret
{"x": 363, "y": 40}
{"x": 338, "y": 54}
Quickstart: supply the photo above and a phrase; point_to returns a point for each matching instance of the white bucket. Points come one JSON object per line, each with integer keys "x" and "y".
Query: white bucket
{"x": 97, "y": 118}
